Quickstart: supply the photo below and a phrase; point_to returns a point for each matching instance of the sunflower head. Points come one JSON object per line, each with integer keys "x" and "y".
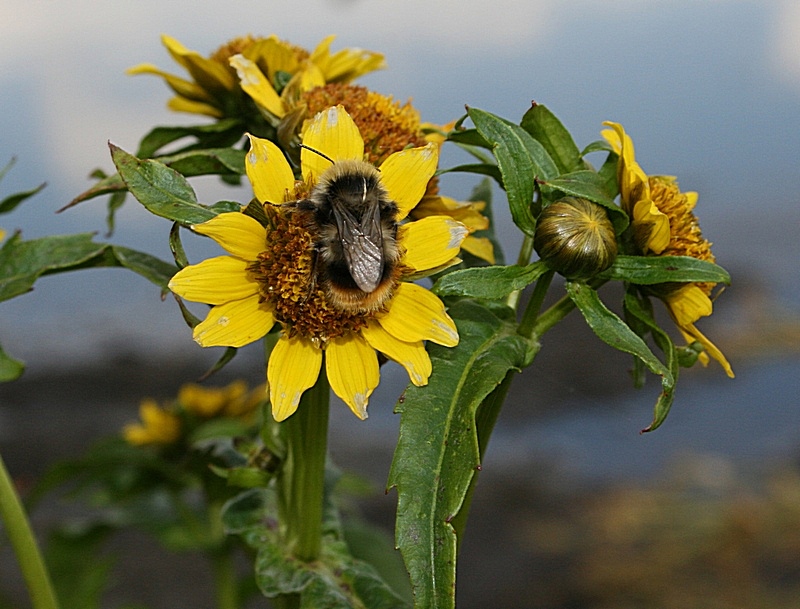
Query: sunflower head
{"x": 336, "y": 302}
{"x": 663, "y": 223}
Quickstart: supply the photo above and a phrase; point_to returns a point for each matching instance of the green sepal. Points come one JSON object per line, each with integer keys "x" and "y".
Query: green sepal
{"x": 545, "y": 127}
{"x": 10, "y": 369}
{"x": 490, "y": 283}
{"x": 589, "y": 185}
{"x": 437, "y": 453}
{"x": 616, "y": 333}
{"x": 639, "y": 311}
{"x": 162, "y": 190}
{"x": 335, "y": 580}
{"x": 521, "y": 159}
{"x": 651, "y": 270}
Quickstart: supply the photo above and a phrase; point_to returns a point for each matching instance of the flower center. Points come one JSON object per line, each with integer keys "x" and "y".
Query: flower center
{"x": 686, "y": 238}
{"x": 287, "y": 278}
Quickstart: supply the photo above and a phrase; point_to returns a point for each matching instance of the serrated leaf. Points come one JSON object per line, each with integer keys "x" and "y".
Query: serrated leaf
{"x": 491, "y": 283}
{"x": 634, "y": 308}
{"x": 614, "y": 332}
{"x": 162, "y": 190}
{"x": 335, "y": 580}
{"x": 651, "y": 270}
{"x": 521, "y": 160}
{"x": 543, "y": 125}
{"x": 437, "y": 452}
{"x": 590, "y": 185}
{"x": 10, "y": 369}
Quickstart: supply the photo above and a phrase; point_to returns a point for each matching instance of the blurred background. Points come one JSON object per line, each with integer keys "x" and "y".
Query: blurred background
{"x": 575, "y": 508}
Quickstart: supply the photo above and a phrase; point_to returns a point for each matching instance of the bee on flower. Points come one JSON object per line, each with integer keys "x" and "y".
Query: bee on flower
{"x": 332, "y": 262}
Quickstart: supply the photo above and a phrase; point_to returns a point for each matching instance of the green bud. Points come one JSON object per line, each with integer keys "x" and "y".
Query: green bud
{"x": 575, "y": 238}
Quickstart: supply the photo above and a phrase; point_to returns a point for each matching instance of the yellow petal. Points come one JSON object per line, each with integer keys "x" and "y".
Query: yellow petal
{"x": 275, "y": 55}
{"x": 331, "y": 133}
{"x": 352, "y": 368}
{"x": 406, "y": 174}
{"x": 431, "y": 242}
{"x": 480, "y": 247}
{"x": 417, "y": 314}
{"x": 466, "y": 212}
{"x": 412, "y": 356}
{"x": 180, "y": 104}
{"x": 257, "y": 86}
{"x": 185, "y": 88}
{"x": 268, "y": 171}
{"x": 693, "y": 334}
{"x": 214, "y": 281}
{"x": 208, "y": 73}
{"x": 347, "y": 64}
{"x": 239, "y": 234}
{"x": 688, "y": 304}
{"x": 650, "y": 226}
{"x": 310, "y": 77}
{"x": 234, "y": 324}
{"x": 293, "y": 367}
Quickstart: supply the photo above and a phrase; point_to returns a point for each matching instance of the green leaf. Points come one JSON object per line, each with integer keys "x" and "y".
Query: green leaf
{"x": 487, "y": 169}
{"x": 11, "y": 201}
{"x": 211, "y": 161}
{"x": 10, "y": 368}
{"x": 22, "y": 262}
{"x": 469, "y": 137}
{"x": 650, "y": 270}
{"x": 590, "y": 185}
{"x": 636, "y": 309}
{"x": 151, "y": 268}
{"x": 521, "y": 159}
{"x": 162, "y": 190}
{"x": 225, "y": 132}
{"x": 615, "y": 332}
{"x": 543, "y": 125}
{"x": 335, "y": 580}
{"x": 437, "y": 452}
{"x": 491, "y": 283}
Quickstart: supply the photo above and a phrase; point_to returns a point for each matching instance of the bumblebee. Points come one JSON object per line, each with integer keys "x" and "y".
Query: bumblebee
{"x": 353, "y": 224}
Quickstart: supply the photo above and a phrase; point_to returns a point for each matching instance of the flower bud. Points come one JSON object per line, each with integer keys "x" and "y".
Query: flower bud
{"x": 575, "y": 238}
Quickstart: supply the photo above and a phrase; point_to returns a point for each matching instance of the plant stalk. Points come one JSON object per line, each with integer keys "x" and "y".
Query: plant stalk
{"x": 20, "y": 533}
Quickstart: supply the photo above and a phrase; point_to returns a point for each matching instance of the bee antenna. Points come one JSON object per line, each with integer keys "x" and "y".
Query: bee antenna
{"x": 324, "y": 156}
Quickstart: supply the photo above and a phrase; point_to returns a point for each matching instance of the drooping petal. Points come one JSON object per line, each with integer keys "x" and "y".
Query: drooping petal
{"x": 691, "y": 333}
{"x": 352, "y": 368}
{"x": 406, "y": 174}
{"x": 181, "y": 86}
{"x": 268, "y": 171}
{"x": 346, "y": 64}
{"x": 239, "y": 234}
{"x": 257, "y": 86}
{"x": 650, "y": 227}
{"x": 294, "y": 366}
{"x": 480, "y": 247}
{"x": 234, "y": 324}
{"x": 431, "y": 242}
{"x": 412, "y": 356}
{"x": 331, "y": 133}
{"x": 417, "y": 314}
{"x": 466, "y": 212}
{"x": 208, "y": 73}
{"x": 214, "y": 281}
{"x": 687, "y": 304}
{"x": 180, "y": 104}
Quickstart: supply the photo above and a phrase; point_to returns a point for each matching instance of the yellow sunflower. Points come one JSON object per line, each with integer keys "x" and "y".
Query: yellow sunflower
{"x": 158, "y": 426}
{"x": 664, "y": 224}
{"x": 273, "y": 273}
{"x": 212, "y": 88}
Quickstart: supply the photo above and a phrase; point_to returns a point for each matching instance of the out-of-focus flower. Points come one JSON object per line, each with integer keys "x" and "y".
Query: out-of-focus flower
{"x": 273, "y": 271}
{"x": 158, "y": 426}
{"x": 663, "y": 223}
{"x": 233, "y": 400}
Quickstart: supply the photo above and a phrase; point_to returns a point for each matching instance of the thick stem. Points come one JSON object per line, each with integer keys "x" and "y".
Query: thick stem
{"x": 301, "y": 482}
{"x": 525, "y": 252}
{"x": 534, "y": 305}
{"x": 20, "y": 534}
{"x": 225, "y": 579}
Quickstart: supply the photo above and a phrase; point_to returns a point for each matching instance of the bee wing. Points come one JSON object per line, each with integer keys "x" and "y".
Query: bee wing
{"x": 362, "y": 244}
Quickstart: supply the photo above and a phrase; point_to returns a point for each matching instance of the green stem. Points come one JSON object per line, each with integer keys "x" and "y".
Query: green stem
{"x": 301, "y": 482}
{"x": 525, "y": 252}
{"x": 535, "y": 305}
{"x": 23, "y": 541}
{"x": 225, "y": 580}
{"x": 552, "y": 316}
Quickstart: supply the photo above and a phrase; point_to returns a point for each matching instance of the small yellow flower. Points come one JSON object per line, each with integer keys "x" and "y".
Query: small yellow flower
{"x": 2, "y": 234}
{"x": 212, "y": 87}
{"x": 271, "y": 275}
{"x": 158, "y": 426}
{"x": 210, "y": 402}
{"x": 663, "y": 223}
